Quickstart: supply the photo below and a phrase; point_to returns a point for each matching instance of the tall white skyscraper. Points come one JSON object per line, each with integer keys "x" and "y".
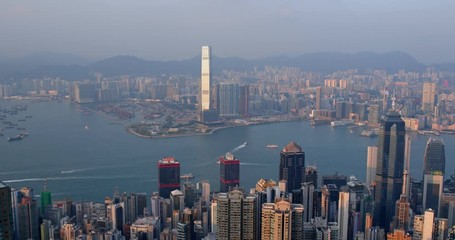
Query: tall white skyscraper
{"x": 205, "y": 78}
{"x": 343, "y": 213}
{"x": 372, "y": 158}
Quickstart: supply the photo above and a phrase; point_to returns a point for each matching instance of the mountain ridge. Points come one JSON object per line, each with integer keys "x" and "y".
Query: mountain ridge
{"x": 74, "y": 68}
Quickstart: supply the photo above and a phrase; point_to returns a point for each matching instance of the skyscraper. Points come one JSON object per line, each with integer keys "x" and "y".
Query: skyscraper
{"x": 372, "y": 158}
{"x": 389, "y": 173}
{"x": 343, "y": 213}
{"x": 282, "y": 220}
{"x": 205, "y": 78}
{"x": 244, "y": 100}
{"x": 292, "y": 166}
{"x": 402, "y": 208}
{"x": 235, "y": 215}
{"x": 433, "y": 178}
{"x": 229, "y": 172}
{"x": 428, "y": 97}
{"x": 318, "y": 98}
{"x": 168, "y": 176}
{"x": 229, "y": 99}
{"x": 6, "y": 219}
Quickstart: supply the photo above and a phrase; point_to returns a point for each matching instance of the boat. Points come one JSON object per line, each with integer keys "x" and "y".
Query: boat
{"x": 272, "y": 146}
{"x": 429, "y": 132}
{"x": 343, "y": 122}
{"x": 244, "y": 144}
{"x": 187, "y": 176}
{"x": 368, "y": 133}
{"x": 16, "y": 138}
{"x": 86, "y": 127}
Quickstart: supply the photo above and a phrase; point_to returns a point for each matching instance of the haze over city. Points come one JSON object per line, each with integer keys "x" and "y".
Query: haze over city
{"x": 174, "y": 30}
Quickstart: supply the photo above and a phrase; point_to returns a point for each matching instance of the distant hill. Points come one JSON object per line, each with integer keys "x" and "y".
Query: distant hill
{"x": 75, "y": 68}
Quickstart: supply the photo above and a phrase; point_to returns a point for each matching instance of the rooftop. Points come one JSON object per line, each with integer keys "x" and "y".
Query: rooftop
{"x": 292, "y": 147}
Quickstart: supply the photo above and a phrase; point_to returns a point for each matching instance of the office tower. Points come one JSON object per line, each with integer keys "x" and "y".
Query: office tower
{"x": 116, "y": 216}
{"x": 205, "y": 78}
{"x": 244, "y": 100}
{"x": 229, "y": 172}
{"x": 428, "y": 97}
{"x": 235, "y": 215}
{"x": 389, "y": 174}
{"x": 372, "y": 157}
{"x": 189, "y": 193}
{"x": 141, "y": 204}
{"x": 229, "y": 99}
{"x": 215, "y": 97}
{"x": 340, "y": 109}
{"x": 214, "y": 216}
{"x": 402, "y": 208}
{"x": 155, "y": 202}
{"x": 311, "y": 175}
{"x": 434, "y": 159}
{"x": 145, "y": 228}
{"x": 407, "y": 161}
{"x": 205, "y": 197}
{"x": 292, "y": 166}
{"x": 168, "y": 176}
{"x": 318, "y": 98}
{"x": 45, "y": 199}
{"x": 433, "y": 179}
{"x": 282, "y": 220}
{"x": 324, "y": 201}
{"x": 27, "y": 218}
{"x": 307, "y": 201}
{"x": 343, "y": 213}
{"x": 47, "y": 230}
{"x": 374, "y": 114}
{"x": 336, "y": 179}
{"x": 6, "y": 220}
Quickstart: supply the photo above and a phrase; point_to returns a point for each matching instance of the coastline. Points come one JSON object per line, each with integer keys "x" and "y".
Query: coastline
{"x": 211, "y": 131}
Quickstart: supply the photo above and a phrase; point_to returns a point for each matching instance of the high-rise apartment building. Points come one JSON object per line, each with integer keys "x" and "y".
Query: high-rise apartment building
{"x": 235, "y": 215}
{"x": 244, "y": 100}
{"x": 205, "y": 78}
{"x": 229, "y": 172}
{"x": 427, "y": 226}
{"x": 292, "y": 166}
{"x": 229, "y": 99}
{"x": 433, "y": 178}
{"x": 6, "y": 219}
{"x": 318, "y": 98}
{"x": 428, "y": 97}
{"x": 282, "y": 220}
{"x": 372, "y": 158}
{"x": 168, "y": 176}
{"x": 390, "y": 165}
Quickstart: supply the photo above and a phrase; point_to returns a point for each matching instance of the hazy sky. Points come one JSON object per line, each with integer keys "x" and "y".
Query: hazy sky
{"x": 176, "y": 29}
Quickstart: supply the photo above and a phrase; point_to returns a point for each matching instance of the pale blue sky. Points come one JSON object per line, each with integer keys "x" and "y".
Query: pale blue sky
{"x": 176, "y": 29}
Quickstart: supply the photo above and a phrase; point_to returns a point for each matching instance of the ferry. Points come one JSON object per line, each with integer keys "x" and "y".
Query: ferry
{"x": 428, "y": 132}
{"x": 368, "y": 133}
{"x": 187, "y": 176}
{"x": 272, "y": 146}
{"x": 344, "y": 122}
{"x": 16, "y": 138}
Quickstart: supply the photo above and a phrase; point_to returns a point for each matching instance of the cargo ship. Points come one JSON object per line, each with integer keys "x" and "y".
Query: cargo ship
{"x": 344, "y": 122}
